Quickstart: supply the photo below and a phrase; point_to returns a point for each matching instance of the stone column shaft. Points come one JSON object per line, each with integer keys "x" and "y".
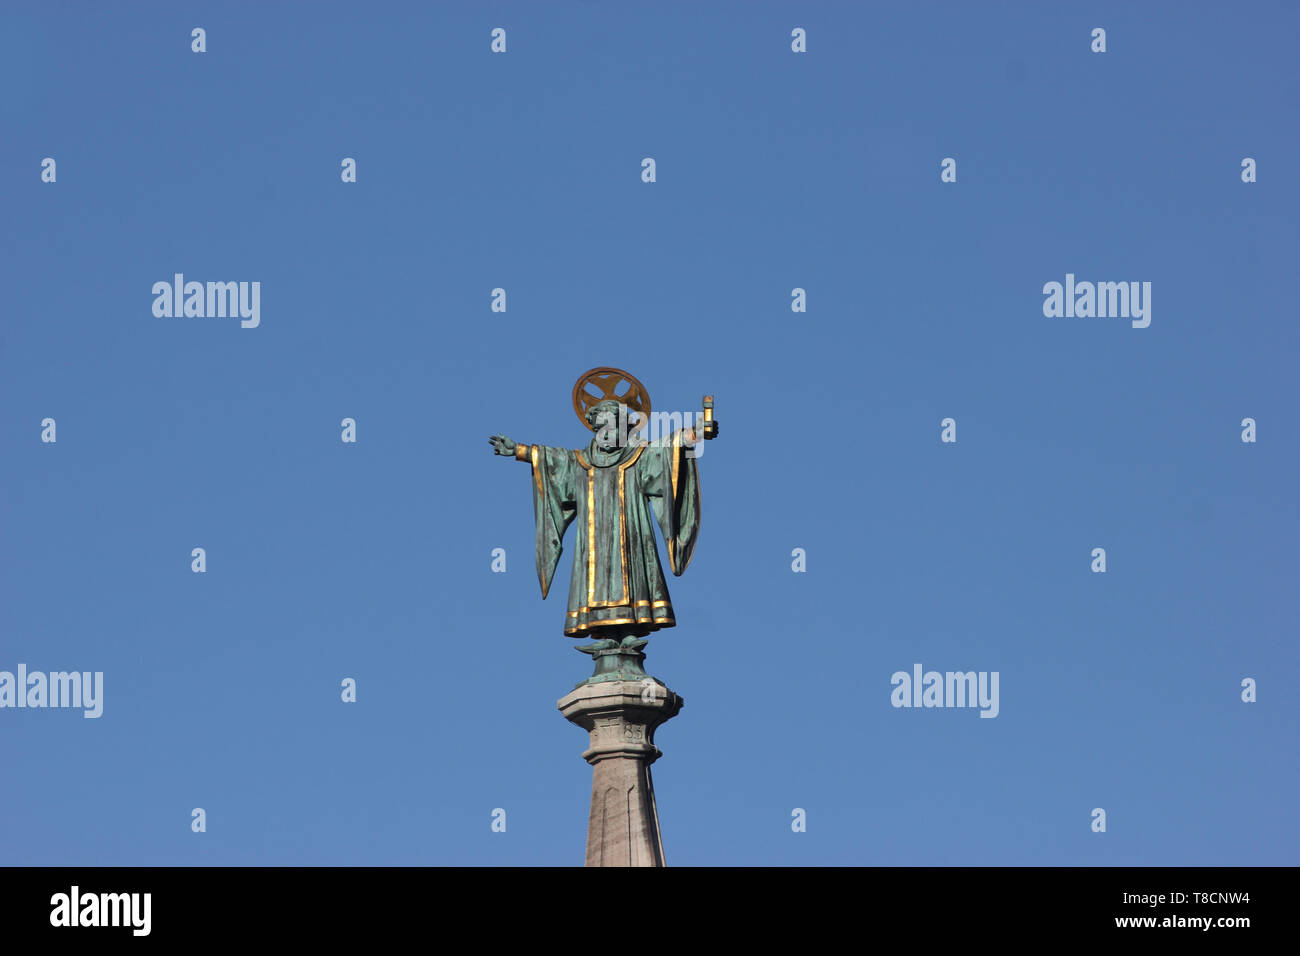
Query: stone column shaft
{"x": 621, "y": 718}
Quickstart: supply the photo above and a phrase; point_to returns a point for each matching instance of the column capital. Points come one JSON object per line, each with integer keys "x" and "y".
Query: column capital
{"x": 621, "y": 717}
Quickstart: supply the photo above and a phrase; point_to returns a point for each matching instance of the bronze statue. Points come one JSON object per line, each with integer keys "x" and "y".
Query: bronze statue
{"x": 617, "y": 593}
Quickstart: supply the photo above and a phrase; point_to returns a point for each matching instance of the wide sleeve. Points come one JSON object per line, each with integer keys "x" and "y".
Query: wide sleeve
{"x": 670, "y": 478}
{"x": 554, "y": 504}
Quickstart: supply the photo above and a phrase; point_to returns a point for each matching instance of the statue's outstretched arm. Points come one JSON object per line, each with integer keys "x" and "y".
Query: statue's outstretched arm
{"x": 509, "y": 447}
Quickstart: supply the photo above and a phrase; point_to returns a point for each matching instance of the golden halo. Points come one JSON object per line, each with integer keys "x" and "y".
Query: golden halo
{"x": 600, "y": 384}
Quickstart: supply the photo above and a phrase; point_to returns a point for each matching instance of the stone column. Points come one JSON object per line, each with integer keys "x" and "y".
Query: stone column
{"x": 621, "y": 716}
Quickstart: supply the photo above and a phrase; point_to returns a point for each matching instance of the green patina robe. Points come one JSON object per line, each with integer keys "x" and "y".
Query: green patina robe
{"x": 617, "y": 579}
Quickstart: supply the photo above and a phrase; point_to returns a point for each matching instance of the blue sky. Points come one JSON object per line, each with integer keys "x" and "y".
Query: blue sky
{"x": 775, "y": 170}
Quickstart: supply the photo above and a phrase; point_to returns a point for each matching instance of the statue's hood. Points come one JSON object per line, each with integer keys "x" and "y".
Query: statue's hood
{"x": 607, "y": 459}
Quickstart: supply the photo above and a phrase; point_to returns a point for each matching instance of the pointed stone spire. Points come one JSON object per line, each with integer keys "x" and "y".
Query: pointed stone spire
{"x": 621, "y": 707}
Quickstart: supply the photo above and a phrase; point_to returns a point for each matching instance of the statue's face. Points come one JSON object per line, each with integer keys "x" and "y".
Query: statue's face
{"x": 604, "y": 420}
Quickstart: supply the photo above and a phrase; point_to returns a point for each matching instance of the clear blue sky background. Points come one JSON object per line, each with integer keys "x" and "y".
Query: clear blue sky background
{"x": 775, "y": 171}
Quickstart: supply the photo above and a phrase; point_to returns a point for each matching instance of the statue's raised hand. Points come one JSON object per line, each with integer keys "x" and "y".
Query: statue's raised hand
{"x": 502, "y": 445}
